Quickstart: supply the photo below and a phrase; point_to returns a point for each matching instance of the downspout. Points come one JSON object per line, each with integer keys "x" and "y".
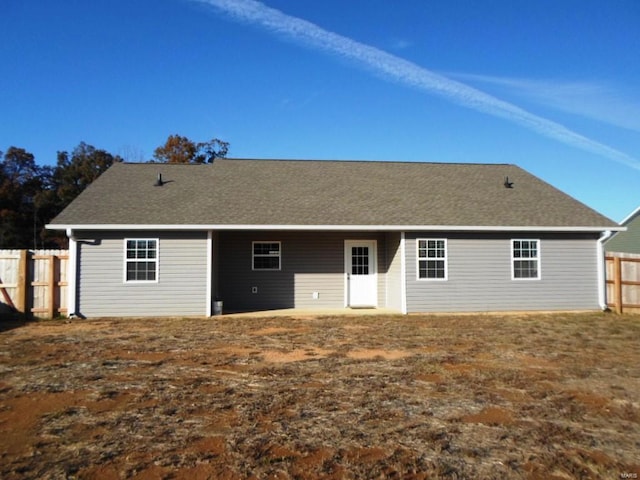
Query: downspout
{"x": 602, "y": 286}
{"x": 72, "y": 271}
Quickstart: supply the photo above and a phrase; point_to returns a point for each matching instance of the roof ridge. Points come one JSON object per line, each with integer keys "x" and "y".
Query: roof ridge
{"x": 395, "y": 162}
{"x": 161, "y": 164}
{"x": 301, "y": 160}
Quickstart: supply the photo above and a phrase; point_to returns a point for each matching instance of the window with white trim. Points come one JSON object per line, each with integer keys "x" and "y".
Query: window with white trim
{"x": 266, "y": 255}
{"x": 141, "y": 260}
{"x": 525, "y": 256}
{"x": 432, "y": 258}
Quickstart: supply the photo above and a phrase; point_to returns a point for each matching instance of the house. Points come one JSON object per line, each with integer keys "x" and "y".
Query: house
{"x": 163, "y": 239}
{"x": 627, "y": 241}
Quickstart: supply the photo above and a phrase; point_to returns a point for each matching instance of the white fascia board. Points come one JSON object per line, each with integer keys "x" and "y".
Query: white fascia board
{"x": 386, "y": 228}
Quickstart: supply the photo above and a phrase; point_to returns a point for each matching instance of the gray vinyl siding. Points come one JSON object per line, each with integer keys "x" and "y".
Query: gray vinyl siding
{"x": 394, "y": 271}
{"x": 182, "y": 276}
{"x": 479, "y": 275}
{"x": 626, "y": 242}
{"x": 310, "y": 262}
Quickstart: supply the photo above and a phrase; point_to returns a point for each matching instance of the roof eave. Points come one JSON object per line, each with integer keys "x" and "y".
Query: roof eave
{"x": 392, "y": 228}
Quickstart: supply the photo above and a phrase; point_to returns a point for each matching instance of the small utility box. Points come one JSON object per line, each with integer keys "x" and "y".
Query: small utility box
{"x": 217, "y": 307}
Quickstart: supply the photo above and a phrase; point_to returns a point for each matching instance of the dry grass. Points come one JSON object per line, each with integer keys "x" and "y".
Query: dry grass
{"x": 537, "y": 397}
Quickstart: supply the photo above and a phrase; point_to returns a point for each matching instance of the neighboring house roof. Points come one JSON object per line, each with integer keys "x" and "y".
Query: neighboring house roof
{"x": 629, "y": 241}
{"x": 298, "y": 193}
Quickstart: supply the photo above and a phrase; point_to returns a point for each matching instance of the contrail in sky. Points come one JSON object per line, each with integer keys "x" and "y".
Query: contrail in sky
{"x": 408, "y": 73}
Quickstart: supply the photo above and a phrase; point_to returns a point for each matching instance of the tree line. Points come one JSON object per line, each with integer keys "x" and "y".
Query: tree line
{"x": 31, "y": 195}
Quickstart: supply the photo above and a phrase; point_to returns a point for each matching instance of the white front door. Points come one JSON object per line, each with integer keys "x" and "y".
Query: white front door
{"x": 361, "y": 287}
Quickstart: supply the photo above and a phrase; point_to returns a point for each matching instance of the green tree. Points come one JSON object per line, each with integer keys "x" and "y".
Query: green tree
{"x": 180, "y": 149}
{"x": 21, "y": 185}
{"x": 73, "y": 173}
{"x": 207, "y": 152}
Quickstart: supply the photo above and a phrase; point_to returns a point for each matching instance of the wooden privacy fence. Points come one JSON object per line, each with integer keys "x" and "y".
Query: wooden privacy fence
{"x": 623, "y": 281}
{"x": 34, "y": 282}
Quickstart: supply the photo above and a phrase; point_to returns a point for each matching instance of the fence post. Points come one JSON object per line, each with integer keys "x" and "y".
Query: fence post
{"x": 617, "y": 284}
{"x": 23, "y": 282}
{"x": 51, "y": 287}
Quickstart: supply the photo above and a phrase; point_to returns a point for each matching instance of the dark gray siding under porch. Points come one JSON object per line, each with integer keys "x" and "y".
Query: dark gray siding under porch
{"x": 181, "y": 288}
{"x": 479, "y": 274}
{"x": 311, "y": 262}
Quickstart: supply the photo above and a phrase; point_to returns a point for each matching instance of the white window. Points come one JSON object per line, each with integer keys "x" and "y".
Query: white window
{"x": 432, "y": 258}
{"x": 266, "y": 255}
{"x": 525, "y": 255}
{"x": 141, "y": 260}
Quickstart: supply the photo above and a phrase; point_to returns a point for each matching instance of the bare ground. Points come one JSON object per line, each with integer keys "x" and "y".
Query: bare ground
{"x": 518, "y": 396}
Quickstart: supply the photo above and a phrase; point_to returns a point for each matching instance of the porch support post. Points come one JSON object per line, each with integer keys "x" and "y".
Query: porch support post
{"x": 403, "y": 274}
{"x": 210, "y": 286}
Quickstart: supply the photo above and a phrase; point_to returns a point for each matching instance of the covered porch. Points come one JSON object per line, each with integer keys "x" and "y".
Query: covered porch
{"x": 338, "y": 272}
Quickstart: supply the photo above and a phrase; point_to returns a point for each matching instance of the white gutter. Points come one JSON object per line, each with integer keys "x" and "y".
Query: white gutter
{"x": 364, "y": 228}
{"x": 72, "y": 270}
{"x": 602, "y": 285}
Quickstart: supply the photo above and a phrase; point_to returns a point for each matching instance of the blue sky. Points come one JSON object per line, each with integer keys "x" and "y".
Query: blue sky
{"x": 551, "y": 85}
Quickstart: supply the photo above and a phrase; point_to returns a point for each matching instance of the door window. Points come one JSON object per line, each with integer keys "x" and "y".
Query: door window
{"x": 360, "y": 260}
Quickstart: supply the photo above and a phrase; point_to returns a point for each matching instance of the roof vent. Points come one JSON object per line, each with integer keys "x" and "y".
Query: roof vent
{"x": 507, "y": 183}
{"x": 159, "y": 181}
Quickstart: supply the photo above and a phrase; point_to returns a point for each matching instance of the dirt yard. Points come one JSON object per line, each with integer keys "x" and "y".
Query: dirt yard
{"x": 493, "y": 397}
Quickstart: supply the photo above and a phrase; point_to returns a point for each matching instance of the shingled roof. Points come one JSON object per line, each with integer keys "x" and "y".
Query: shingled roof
{"x": 288, "y": 193}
